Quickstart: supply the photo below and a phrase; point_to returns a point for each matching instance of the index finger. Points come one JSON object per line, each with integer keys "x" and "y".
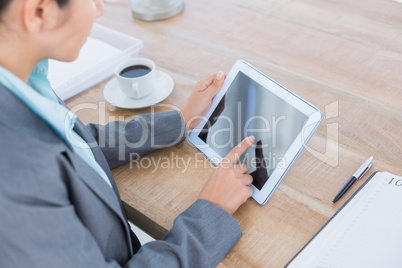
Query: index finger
{"x": 237, "y": 151}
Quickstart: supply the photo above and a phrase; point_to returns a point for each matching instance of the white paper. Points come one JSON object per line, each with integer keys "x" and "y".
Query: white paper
{"x": 365, "y": 233}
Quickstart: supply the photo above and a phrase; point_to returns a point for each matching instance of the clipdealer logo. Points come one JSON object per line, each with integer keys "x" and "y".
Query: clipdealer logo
{"x": 328, "y": 154}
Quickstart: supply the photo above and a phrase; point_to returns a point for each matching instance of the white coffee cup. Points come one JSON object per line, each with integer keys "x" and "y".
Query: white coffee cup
{"x": 136, "y": 77}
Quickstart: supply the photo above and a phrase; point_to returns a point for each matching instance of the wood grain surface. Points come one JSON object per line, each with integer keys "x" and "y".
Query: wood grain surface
{"x": 345, "y": 57}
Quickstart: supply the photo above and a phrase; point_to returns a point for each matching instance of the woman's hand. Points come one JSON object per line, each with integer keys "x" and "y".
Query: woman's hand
{"x": 229, "y": 185}
{"x": 201, "y": 98}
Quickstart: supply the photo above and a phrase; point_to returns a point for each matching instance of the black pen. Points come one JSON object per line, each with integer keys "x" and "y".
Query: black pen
{"x": 358, "y": 174}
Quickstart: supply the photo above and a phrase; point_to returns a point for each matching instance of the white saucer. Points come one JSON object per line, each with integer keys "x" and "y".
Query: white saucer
{"x": 164, "y": 86}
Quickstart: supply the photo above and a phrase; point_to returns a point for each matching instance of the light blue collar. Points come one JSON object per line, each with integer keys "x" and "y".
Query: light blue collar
{"x": 41, "y": 99}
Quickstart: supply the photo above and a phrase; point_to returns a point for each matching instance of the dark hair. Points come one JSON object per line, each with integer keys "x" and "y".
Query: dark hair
{"x": 5, "y": 3}
{"x": 61, "y": 3}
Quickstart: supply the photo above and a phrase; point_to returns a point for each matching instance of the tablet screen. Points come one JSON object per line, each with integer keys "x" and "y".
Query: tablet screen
{"x": 249, "y": 109}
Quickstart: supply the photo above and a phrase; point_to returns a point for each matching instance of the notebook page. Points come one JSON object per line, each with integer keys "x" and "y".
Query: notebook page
{"x": 320, "y": 244}
{"x": 374, "y": 236}
{"x": 347, "y": 239}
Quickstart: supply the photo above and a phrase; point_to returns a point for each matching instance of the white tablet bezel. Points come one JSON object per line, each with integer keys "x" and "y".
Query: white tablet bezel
{"x": 314, "y": 115}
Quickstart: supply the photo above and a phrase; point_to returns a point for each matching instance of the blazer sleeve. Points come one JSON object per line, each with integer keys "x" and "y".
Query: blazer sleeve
{"x": 40, "y": 228}
{"x": 123, "y": 141}
{"x": 200, "y": 237}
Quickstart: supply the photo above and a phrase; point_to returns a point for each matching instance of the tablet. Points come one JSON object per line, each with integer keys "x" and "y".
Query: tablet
{"x": 252, "y": 104}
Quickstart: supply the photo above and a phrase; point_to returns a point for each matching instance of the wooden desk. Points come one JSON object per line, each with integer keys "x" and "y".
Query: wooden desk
{"x": 343, "y": 56}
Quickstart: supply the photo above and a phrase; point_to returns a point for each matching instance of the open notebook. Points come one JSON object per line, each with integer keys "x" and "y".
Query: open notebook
{"x": 365, "y": 232}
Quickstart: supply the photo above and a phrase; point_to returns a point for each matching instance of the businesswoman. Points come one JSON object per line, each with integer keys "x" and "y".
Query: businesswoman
{"x": 59, "y": 205}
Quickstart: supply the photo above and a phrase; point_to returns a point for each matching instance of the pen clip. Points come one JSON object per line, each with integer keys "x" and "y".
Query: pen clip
{"x": 363, "y": 168}
{"x": 365, "y": 171}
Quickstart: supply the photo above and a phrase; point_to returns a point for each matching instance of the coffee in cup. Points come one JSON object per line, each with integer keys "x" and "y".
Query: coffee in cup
{"x": 136, "y": 77}
{"x": 135, "y": 71}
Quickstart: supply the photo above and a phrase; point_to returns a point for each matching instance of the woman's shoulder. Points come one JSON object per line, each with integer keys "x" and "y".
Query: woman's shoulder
{"x": 16, "y": 145}
{"x": 30, "y": 169}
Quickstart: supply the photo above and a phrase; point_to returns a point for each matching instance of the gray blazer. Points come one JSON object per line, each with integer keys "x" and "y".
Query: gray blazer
{"x": 56, "y": 211}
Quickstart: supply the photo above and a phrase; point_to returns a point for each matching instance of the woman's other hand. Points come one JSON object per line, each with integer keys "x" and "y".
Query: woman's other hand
{"x": 201, "y": 98}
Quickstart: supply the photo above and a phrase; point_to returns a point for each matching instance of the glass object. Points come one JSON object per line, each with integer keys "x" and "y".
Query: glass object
{"x": 152, "y": 10}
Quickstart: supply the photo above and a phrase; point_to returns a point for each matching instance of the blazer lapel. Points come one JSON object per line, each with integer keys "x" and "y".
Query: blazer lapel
{"x": 82, "y": 130}
{"x": 102, "y": 190}
{"x": 96, "y": 183}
